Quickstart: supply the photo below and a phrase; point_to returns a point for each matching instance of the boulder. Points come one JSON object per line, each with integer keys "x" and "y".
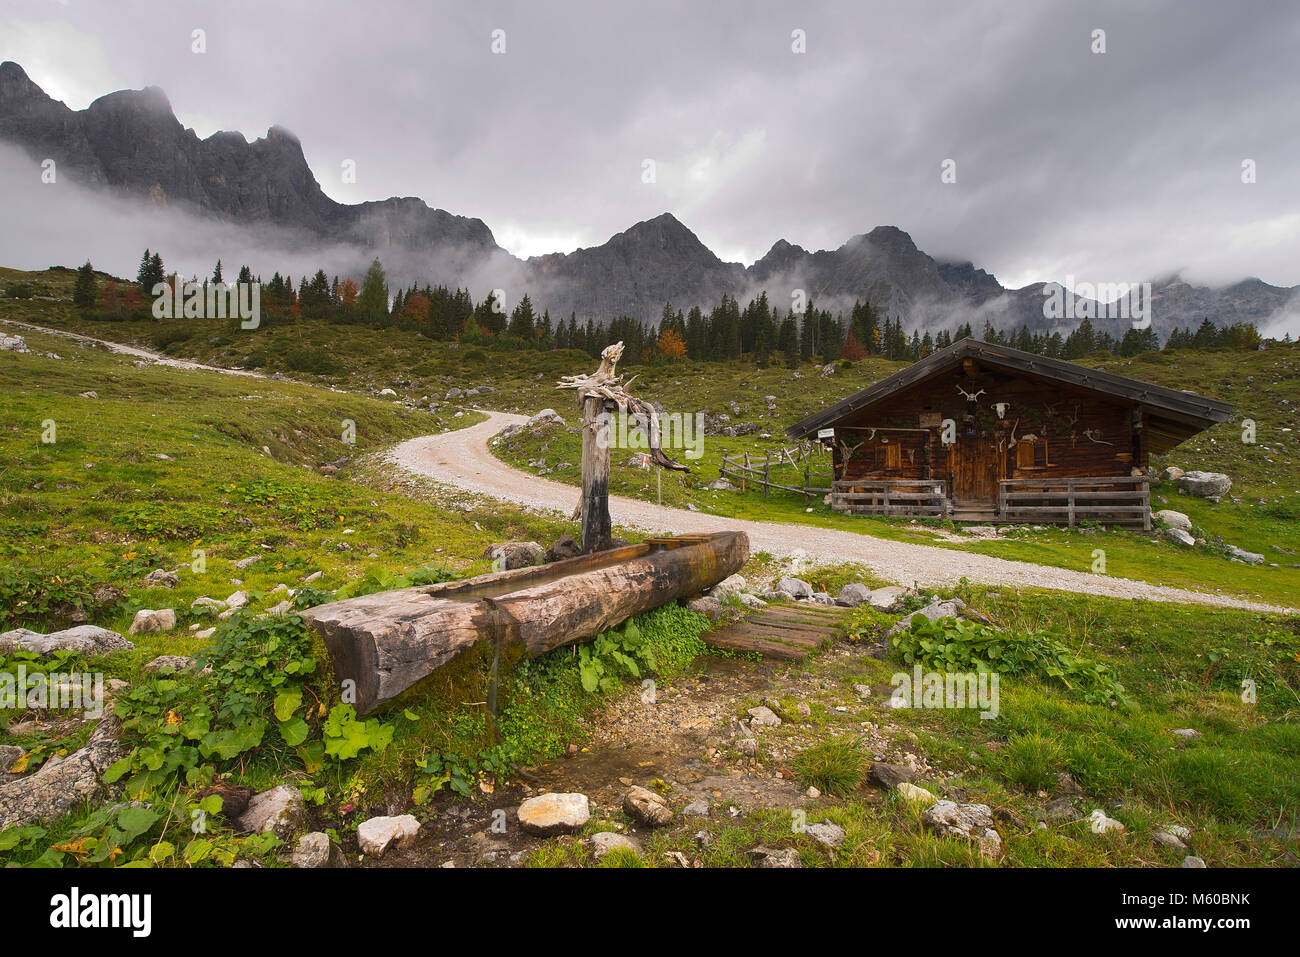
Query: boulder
{"x": 1241, "y": 555}
{"x": 379, "y": 833}
{"x": 794, "y": 587}
{"x": 1171, "y": 474}
{"x": 551, "y": 813}
{"x": 1207, "y": 485}
{"x": 236, "y": 600}
{"x": 87, "y": 639}
{"x": 281, "y": 810}
{"x": 721, "y": 485}
{"x": 752, "y": 601}
{"x": 647, "y": 808}
{"x": 515, "y": 554}
{"x": 973, "y": 821}
{"x": 1179, "y": 536}
{"x": 59, "y": 787}
{"x": 853, "y": 595}
{"x": 148, "y": 621}
{"x": 1171, "y": 519}
{"x": 316, "y": 850}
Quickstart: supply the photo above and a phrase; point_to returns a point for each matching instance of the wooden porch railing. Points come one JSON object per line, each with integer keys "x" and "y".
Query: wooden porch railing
{"x": 891, "y": 497}
{"x": 1114, "y": 500}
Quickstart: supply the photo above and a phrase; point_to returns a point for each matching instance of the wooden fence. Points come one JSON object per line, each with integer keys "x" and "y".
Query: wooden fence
{"x": 896, "y": 497}
{"x": 1113, "y": 500}
{"x": 752, "y": 469}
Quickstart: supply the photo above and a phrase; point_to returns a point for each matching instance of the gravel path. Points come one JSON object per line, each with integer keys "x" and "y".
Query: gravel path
{"x": 462, "y": 459}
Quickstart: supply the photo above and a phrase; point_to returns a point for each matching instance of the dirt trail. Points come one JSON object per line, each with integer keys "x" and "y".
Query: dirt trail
{"x": 463, "y": 459}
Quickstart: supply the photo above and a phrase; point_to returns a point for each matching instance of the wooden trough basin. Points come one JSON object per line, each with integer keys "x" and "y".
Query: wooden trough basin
{"x": 388, "y": 641}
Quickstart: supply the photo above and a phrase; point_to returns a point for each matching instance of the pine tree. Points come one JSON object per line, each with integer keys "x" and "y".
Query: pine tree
{"x": 372, "y": 302}
{"x": 86, "y": 290}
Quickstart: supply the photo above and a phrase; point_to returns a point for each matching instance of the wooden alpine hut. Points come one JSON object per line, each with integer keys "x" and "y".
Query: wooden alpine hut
{"x": 982, "y": 432}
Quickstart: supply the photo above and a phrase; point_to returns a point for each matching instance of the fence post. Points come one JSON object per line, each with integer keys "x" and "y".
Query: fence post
{"x": 805, "y": 482}
{"x": 745, "y": 473}
{"x": 1069, "y": 488}
{"x": 767, "y": 464}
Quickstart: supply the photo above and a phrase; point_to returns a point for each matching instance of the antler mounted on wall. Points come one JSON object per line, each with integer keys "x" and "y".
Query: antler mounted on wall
{"x": 969, "y": 397}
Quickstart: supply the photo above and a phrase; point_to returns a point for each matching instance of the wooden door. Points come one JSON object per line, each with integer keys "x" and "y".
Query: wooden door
{"x": 975, "y": 470}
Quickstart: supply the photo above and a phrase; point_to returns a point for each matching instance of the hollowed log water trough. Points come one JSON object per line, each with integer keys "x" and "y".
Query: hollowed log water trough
{"x": 388, "y": 641}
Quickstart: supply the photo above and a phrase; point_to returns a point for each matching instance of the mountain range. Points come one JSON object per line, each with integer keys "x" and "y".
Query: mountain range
{"x": 130, "y": 142}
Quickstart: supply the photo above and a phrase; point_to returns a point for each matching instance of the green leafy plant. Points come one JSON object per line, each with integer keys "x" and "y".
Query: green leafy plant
{"x": 954, "y": 645}
{"x": 611, "y": 655}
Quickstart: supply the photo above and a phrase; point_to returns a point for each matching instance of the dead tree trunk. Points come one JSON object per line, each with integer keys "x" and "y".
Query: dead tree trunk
{"x": 597, "y": 529}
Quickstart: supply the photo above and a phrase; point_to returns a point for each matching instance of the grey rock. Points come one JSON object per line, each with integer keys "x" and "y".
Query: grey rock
{"x": 516, "y": 554}
{"x": 248, "y": 562}
{"x": 376, "y": 835}
{"x": 697, "y": 808}
{"x": 763, "y": 717}
{"x": 564, "y": 547}
{"x": 832, "y": 835}
{"x": 784, "y": 857}
{"x": 1058, "y": 811}
{"x": 1168, "y": 840}
{"x": 544, "y": 419}
{"x": 1191, "y": 861}
{"x": 87, "y": 639}
{"x": 57, "y": 788}
{"x": 1179, "y": 536}
{"x": 1172, "y": 519}
{"x": 1241, "y": 555}
{"x": 706, "y": 605}
{"x": 973, "y": 821}
{"x": 316, "y": 850}
{"x": 794, "y": 587}
{"x": 174, "y": 662}
{"x": 605, "y": 841}
{"x": 1208, "y": 485}
{"x": 853, "y": 594}
{"x": 281, "y": 811}
{"x": 148, "y": 621}
{"x": 732, "y": 585}
{"x": 208, "y": 605}
{"x": 889, "y": 776}
{"x": 161, "y": 578}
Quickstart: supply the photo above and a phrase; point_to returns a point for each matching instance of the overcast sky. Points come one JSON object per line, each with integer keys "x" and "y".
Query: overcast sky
{"x": 1116, "y": 166}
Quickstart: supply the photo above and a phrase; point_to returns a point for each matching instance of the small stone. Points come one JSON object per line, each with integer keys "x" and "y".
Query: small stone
{"x": 1191, "y": 861}
{"x": 1099, "y": 823}
{"x": 974, "y": 821}
{"x": 317, "y": 850}
{"x": 813, "y": 793}
{"x": 795, "y": 587}
{"x": 647, "y": 807}
{"x": 697, "y": 808}
{"x": 1185, "y": 732}
{"x": 1168, "y": 840}
{"x": 785, "y": 857}
{"x": 911, "y": 792}
{"x": 377, "y": 834}
{"x": 606, "y": 841}
{"x": 174, "y": 662}
{"x": 236, "y": 600}
{"x": 280, "y": 810}
{"x": 889, "y": 776}
{"x": 763, "y": 717}
{"x": 832, "y": 835}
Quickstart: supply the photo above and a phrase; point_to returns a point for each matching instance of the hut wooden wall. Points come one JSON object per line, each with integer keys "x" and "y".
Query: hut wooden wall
{"x": 1061, "y": 415}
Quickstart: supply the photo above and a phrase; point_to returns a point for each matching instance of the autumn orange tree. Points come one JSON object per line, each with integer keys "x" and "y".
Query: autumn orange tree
{"x": 348, "y": 290}
{"x": 853, "y": 350}
{"x": 671, "y": 346}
